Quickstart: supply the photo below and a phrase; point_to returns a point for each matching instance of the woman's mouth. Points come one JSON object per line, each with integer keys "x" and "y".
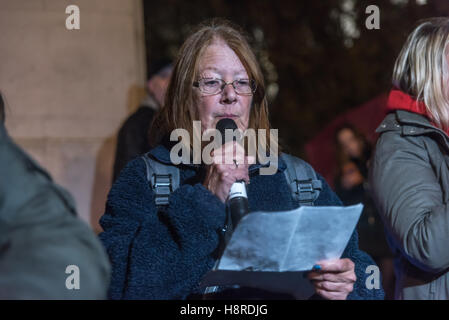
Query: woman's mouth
{"x": 227, "y": 115}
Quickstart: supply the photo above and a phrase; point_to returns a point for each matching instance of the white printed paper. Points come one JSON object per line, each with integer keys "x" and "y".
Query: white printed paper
{"x": 289, "y": 242}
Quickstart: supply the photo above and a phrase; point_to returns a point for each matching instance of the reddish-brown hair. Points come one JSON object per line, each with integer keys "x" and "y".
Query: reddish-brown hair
{"x": 179, "y": 109}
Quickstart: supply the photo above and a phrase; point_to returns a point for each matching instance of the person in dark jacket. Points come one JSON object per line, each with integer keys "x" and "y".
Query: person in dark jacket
{"x": 351, "y": 186}
{"x": 410, "y": 168}
{"x": 133, "y": 136}
{"x": 353, "y": 146}
{"x": 163, "y": 253}
{"x": 46, "y": 251}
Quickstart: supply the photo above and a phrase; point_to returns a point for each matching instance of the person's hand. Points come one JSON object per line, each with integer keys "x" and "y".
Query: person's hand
{"x": 335, "y": 280}
{"x": 220, "y": 176}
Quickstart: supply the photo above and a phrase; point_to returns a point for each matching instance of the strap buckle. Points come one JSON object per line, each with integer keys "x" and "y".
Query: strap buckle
{"x": 162, "y": 186}
{"x": 307, "y": 191}
{"x": 304, "y": 186}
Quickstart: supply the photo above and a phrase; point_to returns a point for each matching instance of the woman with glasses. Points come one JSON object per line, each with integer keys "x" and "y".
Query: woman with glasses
{"x": 161, "y": 250}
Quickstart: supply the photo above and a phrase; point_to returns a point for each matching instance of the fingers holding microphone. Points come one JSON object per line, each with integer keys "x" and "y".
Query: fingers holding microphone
{"x": 229, "y": 165}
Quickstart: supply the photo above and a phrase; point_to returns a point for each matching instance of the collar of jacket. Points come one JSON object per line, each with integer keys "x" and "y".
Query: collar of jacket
{"x": 416, "y": 115}
{"x": 162, "y": 154}
{"x": 410, "y": 124}
{"x": 150, "y": 102}
{"x": 399, "y": 100}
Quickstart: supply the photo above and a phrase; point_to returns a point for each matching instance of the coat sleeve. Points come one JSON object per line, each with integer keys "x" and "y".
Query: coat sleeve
{"x": 159, "y": 255}
{"x": 410, "y": 200}
{"x": 46, "y": 251}
{"x": 41, "y": 256}
{"x": 361, "y": 259}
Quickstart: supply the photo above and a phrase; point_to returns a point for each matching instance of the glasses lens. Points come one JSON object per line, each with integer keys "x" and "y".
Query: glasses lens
{"x": 214, "y": 86}
{"x": 210, "y": 86}
{"x": 243, "y": 86}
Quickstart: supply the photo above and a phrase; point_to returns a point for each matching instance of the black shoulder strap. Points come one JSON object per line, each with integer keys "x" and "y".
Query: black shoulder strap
{"x": 302, "y": 179}
{"x": 163, "y": 179}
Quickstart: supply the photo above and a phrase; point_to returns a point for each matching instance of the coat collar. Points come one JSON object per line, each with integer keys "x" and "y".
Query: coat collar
{"x": 410, "y": 113}
{"x": 411, "y": 124}
{"x": 399, "y": 100}
{"x": 161, "y": 153}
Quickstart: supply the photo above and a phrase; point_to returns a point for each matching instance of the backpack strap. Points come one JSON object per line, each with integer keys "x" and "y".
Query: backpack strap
{"x": 163, "y": 179}
{"x": 302, "y": 180}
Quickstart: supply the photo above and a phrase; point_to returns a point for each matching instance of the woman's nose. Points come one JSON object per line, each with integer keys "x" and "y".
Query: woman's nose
{"x": 228, "y": 95}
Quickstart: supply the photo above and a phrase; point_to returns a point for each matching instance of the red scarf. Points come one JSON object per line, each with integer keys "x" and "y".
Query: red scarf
{"x": 399, "y": 100}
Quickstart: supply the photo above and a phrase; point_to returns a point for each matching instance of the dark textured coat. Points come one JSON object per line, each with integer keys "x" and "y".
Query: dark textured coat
{"x": 164, "y": 255}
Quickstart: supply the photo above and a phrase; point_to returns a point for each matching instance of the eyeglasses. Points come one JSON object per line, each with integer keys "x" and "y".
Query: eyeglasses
{"x": 212, "y": 86}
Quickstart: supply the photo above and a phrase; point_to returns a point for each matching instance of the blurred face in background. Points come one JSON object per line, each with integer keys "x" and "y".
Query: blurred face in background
{"x": 219, "y": 61}
{"x": 350, "y": 144}
{"x": 158, "y": 84}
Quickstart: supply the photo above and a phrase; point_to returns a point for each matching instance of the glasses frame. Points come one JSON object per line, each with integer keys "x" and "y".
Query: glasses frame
{"x": 253, "y": 86}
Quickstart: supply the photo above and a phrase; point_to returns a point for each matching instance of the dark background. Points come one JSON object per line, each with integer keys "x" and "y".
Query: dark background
{"x": 321, "y": 68}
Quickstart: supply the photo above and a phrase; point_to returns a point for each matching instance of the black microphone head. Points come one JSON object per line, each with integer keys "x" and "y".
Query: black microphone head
{"x": 224, "y": 124}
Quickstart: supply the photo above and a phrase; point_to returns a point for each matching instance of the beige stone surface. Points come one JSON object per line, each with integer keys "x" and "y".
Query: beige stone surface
{"x": 68, "y": 91}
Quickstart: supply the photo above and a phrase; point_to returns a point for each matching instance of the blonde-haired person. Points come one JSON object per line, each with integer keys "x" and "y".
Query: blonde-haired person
{"x": 163, "y": 251}
{"x": 410, "y": 168}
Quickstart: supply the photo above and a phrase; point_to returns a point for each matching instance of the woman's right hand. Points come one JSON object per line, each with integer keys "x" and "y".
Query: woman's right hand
{"x": 220, "y": 176}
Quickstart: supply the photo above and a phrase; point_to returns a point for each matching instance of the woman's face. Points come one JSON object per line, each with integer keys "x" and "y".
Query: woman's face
{"x": 220, "y": 61}
{"x": 350, "y": 144}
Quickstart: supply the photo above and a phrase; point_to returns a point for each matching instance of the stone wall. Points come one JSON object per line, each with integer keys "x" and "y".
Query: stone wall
{"x": 67, "y": 91}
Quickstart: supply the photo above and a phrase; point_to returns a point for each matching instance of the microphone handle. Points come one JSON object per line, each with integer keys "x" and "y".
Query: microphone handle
{"x": 238, "y": 207}
{"x": 238, "y": 202}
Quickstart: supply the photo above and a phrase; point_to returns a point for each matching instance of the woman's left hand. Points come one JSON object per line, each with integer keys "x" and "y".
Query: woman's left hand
{"x": 335, "y": 280}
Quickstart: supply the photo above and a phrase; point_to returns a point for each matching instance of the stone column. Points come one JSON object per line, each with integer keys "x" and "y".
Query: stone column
{"x": 68, "y": 91}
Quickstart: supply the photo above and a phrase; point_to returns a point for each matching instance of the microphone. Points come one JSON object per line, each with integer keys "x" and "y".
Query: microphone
{"x": 237, "y": 199}
{"x": 237, "y": 202}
